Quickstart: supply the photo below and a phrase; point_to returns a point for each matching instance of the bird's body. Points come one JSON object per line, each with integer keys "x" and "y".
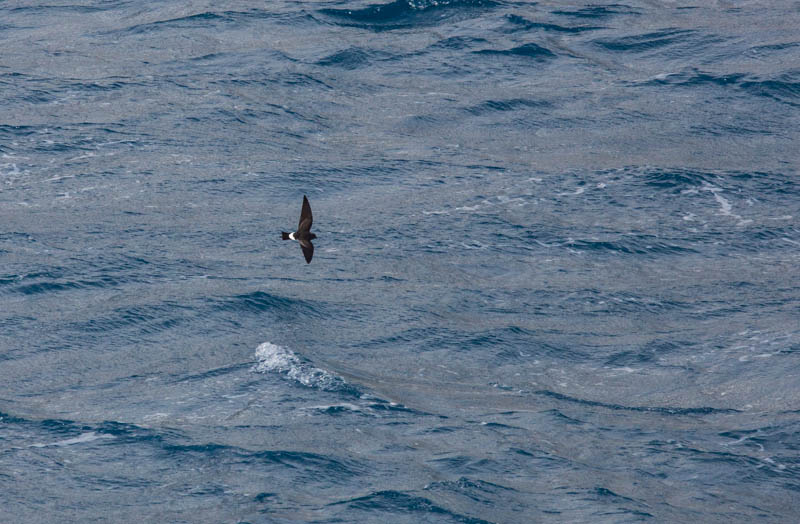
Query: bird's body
{"x": 303, "y": 233}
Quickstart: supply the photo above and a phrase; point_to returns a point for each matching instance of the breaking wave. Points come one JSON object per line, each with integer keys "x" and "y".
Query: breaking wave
{"x": 278, "y": 359}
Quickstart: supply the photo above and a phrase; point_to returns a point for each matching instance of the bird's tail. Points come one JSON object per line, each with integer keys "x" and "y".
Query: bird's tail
{"x": 284, "y": 235}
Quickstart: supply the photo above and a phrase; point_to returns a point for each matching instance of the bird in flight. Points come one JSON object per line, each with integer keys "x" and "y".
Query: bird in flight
{"x": 303, "y": 233}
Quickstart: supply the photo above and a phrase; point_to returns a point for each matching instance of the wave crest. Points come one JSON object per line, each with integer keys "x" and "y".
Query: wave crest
{"x": 278, "y": 359}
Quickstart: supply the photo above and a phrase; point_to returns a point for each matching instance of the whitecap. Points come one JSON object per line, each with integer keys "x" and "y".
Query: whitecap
{"x": 9, "y": 169}
{"x": 278, "y": 359}
{"x": 80, "y": 439}
{"x": 726, "y": 208}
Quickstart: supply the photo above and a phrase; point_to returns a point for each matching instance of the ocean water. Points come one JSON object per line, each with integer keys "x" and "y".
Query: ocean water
{"x": 556, "y": 278}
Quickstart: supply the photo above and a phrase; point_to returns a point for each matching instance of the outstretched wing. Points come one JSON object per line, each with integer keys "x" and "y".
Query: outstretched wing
{"x": 305, "y": 217}
{"x": 308, "y": 250}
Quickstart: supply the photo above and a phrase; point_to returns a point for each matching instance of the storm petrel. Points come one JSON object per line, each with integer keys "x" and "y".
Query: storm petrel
{"x": 303, "y": 233}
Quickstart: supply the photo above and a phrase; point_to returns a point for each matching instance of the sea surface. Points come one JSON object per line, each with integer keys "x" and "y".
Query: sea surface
{"x": 556, "y": 275}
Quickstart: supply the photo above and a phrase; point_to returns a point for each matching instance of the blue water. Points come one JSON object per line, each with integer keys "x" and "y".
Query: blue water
{"x": 556, "y": 278}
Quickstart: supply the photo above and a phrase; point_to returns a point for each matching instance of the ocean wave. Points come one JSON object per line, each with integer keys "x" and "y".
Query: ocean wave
{"x": 603, "y": 11}
{"x": 99, "y": 271}
{"x": 139, "y": 320}
{"x": 353, "y": 58}
{"x": 529, "y": 50}
{"x": 695, "y": 78}
{"x": 193, "y": 21}
{"x": 519, "y": 23}
{"x": 679, "y": 179}
{"x": 278, "y": 359}
{"x": 509, "y": 104}
{"x": 401, "y": 502}
{"x": 784, "y": 88}
{"x": 630, "y": 245}
{"x": 402, "y": 14}
{"x": 259, "y": 302}
{"x": 663, "y": 410}
{"x": 80, "y": 439}
{"x": 646, "y": 41}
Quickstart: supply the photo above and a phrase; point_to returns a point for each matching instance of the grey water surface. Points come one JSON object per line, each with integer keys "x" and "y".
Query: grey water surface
{"x": 556, "y": 278}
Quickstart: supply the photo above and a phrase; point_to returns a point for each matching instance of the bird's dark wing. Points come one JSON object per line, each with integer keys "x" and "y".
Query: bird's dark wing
{"x": 308, "y": 250}
{"x": 305, "y": 216}
{"x": 304, "y": 227}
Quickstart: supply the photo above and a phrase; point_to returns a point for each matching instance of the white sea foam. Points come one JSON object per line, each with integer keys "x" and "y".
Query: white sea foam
{"x": 726, "y": 208}
{"x": 578, "y": 191}
{"x": 9, "y": 170}
{"x": 81, "y": 157}
{"x": 278, "y": 359}
{"x": 80, "y": 439}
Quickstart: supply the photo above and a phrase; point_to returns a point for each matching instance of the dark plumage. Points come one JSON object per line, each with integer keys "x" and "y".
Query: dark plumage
{"x": 303, "y": 233}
